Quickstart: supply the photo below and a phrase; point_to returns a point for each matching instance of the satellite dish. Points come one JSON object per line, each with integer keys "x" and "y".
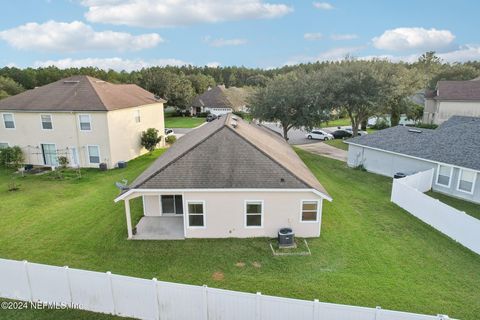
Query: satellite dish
{"x": 122, "y": 185}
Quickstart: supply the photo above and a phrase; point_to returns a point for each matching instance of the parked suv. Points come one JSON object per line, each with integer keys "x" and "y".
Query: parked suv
{"x": 211, "y": 117}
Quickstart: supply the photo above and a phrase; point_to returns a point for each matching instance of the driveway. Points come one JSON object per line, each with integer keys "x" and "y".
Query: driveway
{"x": 180, "y": 132}
{"x": 295, "y": 136}
{"x": 325, "y": 150}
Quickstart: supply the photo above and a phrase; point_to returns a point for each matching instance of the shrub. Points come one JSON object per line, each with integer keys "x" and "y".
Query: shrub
{"x": 170, "y": 139}
{"x": 202, "y": 114}
{"x": 11, "y": 157}
{"x": 380, "y": 124}
{"x": 63, "y": 161}
{"x": 150, "y": 139}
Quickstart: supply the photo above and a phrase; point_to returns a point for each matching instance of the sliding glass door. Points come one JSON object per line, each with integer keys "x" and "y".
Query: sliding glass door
{"x": 171, "y": 204}
{"x": 49, "y": 152}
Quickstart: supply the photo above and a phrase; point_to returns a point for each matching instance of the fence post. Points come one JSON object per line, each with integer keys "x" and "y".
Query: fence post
{"x": 205, "y": 302}
{"x": 109, "y": 278}
{"x": 258, "y": 306}
{"x": 69, "y": 285}
{"x": 25, "y": 264}
{"x": 377, "y": 310}
{"x": 157, "y": 305}
{"x": 316, "y": 309}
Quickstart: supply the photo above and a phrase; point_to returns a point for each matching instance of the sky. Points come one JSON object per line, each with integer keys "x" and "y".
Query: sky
{"x": 131, "y": 34}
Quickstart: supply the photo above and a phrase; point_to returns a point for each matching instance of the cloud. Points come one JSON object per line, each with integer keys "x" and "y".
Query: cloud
{"x": 413, "y": 38}
{"x": 335, "y": 54}
{"x": 116, "y": 63}
{"x": 74, "y": 36}
{"x": 224, "y": 42}
{"x": 340, "y": 37}
{"x": 213, "y": 64}
{"x": 469, "y": 52}
{"x": 323, "y": 5}
{"x": 153, "y": 13}
{"x": 313, "y": 36}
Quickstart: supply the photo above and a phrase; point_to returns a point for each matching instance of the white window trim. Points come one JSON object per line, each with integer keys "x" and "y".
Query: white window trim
{"x": 136, "y": 113}
{"x": 13, "y": 118}
{"x": 204, "y": 214}
{"x": 473, "y": 184}
{"x": 99, "y": 154}
{"x": 80, "y": 122}
{"x": 170, "y": 214}
{"x": 245, "y": 214}
{"x": 56, "y": 153}
{"x": 41, "y": 122}
{"x": 438, "y": 174}
{"x": 318, "y": 210}
{"x": 8, "y": 144}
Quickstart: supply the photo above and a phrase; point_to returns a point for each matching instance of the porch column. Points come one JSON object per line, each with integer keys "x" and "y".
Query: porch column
{"x": 129, "y": 218}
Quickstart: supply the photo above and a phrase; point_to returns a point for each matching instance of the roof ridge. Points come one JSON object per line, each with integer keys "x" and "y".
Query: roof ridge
{"x": 89, "y": 80}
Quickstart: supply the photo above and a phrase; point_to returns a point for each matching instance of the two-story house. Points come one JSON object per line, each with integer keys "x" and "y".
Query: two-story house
{"x": 87, "y": 120}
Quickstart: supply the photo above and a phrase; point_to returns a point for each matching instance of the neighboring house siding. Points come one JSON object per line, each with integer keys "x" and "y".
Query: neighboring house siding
{"x": 125, "y": 132}
{"x": 437, "y": 112}
{"x": 29, "y": 135}
{"x": 388, "y": 164}
{"x": 225, "y": 213}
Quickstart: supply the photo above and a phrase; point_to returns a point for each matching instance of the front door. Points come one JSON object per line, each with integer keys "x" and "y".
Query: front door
{"x": 171, "y": 205}
{"x": 74, "y": 157}
{"x": 49, "y": 152}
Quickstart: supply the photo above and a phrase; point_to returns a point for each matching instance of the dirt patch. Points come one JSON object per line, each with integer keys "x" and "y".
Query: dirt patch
{"x": 256, "y": 264}
{"x": 218, "y": 276}
{"x": 240, "y": 264}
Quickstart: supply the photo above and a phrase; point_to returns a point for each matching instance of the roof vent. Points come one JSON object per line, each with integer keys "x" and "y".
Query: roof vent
{"x": 414, "y": 130}
{"x": 234, "y": 124}
{"x": 234, "y": 118}
{"x": 99, "y": 81}
{"x": 71, "y": 81}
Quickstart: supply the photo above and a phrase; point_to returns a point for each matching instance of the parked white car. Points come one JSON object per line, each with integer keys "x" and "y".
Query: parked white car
{"x": 319, "y": 135}
{"x": 169, "y": 132}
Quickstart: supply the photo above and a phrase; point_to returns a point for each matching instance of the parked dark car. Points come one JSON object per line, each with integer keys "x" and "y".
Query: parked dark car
{"x": 341, "y": 134}
{"x": 211, "y": 117}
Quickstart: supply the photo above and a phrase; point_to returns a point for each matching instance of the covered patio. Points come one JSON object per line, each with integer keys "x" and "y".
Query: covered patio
{"x": 159, "y": 228}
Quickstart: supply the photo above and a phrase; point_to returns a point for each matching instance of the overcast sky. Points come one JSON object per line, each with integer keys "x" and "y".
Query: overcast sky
{"x": 130, "y": 34}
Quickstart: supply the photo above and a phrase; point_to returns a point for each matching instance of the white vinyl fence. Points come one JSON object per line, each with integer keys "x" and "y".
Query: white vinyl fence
{"x": 152, "y": 299}
{"x": 408, "y": 194}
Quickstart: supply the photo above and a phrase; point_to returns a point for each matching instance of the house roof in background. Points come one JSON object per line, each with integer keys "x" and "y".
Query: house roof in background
{"x": 222, "y": 97}
{"x": 79, "y": 93}
{"x": 468, "y": 90}
{"x": 455, "y": 142}
{"x": 220, "y": 155}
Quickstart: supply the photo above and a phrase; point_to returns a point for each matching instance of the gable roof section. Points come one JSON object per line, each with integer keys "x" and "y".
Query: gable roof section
{"x": 219, "y": 156}
{"x": 79, "y": 93}
{"x": 222, "y": 97}
{"x": 457, "y": 90}
{"x": 456, "y": 142}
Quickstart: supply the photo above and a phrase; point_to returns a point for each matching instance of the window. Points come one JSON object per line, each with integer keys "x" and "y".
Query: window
{"x": 137, "y": 116}
{"x": 85, "y": 122}
{"x": 172, "y": 204}
{"x": 309, "y": 211}
{"x": 46, "y": 122}
{"x": 8, "y": 121}
{"x": 3, "y": 145}
{"x": 253, "y": 213}
{"x": 196, "y": 214}
{"x": 444, "y": 175}
{"x": 93, "y": 154}
{"x": 466, "y": 180}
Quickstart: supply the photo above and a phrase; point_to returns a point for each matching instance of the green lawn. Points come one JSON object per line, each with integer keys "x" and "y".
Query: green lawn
{"x": 183, "y": 122}
{"x": 337, "y": 123}
{"x": 468, "y": 207}
{"x": 337, "y": 143}
{"x": 370, "y": 253}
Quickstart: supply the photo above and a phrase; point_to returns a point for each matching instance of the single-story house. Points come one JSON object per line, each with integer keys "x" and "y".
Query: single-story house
{"x": 228, "y": 178}
{"x": 221, "y": 100}
{"x": 450, "y": 98}
{"x": 452, "y": 150}
{"x": 87, "y": 120}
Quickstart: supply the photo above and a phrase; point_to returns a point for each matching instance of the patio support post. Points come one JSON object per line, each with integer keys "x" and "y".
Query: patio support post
{"x": 129, "y": 218}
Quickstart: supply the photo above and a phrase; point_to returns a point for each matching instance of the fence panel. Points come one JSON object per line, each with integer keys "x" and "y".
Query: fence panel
{"x": 224, "y": 304}
{"x": 276, "y": 308}
{"x": 397, "y": 315}
{"x": 181, "y": 301}
{"x": 91, "y": 290}
{"x": 48, "y": 283}
{"x": 330, "y": 311}
{"x": 134, "y": 297}
{"x": 13, "y": 280}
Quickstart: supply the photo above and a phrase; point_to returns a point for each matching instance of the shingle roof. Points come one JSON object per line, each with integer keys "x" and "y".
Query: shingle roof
{"x": 457, "y": 90}
{"x": 219, "y": 155}
{"x": 79, "y": 93}
{"x": 222, "y": 97}
{"x": 455, "y": 142}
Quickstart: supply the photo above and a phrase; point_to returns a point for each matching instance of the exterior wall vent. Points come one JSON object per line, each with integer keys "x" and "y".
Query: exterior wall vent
{"x": 414, "y": 130}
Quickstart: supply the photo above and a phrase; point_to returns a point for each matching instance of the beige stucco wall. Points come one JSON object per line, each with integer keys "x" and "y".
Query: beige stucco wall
{"x": 124, "y": 133}
{"x": 29, "y": 135}
{"x": 225, "y": 213}
{"x": 438, "y": 112}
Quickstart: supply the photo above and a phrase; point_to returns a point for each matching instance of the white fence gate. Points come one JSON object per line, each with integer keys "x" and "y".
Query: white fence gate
{"x": 152, "y": 299}
{"x": 408, "y": 194}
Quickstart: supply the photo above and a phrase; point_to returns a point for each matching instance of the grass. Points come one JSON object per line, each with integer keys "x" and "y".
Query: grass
{"x": 183, "y": 122}
{"x": 337, "y": 123}
{"x": 337, "y": 143}
{"x": 370, "y": 253}
{"x": 462, "y": 205}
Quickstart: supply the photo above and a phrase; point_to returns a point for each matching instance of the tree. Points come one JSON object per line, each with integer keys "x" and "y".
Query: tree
{"x": 291, "y": 100}
{"x": 201, "y": 82}
{"x": 11, "y": 157}
{"x": 453, "y": 72}
{"x": 9, "y": 87}
{"x": 150, "y": 139}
